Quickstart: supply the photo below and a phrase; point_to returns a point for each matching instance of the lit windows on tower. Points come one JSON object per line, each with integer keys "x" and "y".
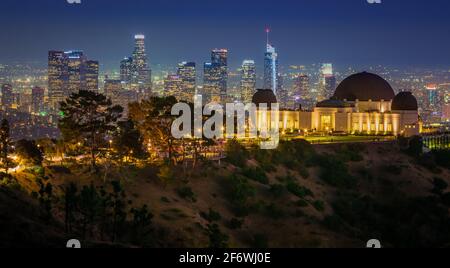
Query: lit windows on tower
{"x": 248, "y": 80}
{"x": 186, "y": 71}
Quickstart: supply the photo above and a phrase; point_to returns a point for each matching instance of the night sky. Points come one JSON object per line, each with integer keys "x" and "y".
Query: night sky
{"x": 396, "y": 32}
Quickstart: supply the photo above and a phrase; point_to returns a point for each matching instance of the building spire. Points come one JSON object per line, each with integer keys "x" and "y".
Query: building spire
{"x": 268, "y": 33}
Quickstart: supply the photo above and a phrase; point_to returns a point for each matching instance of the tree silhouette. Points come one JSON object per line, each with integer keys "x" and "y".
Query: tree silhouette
{"x": 87, "y": 117}
{"x": 4, "y": 143}
{"x": 141, "y": 225}
{"x": 70, "y": 205}
{"x": 154, "y": 119}
{"x": 128, "y": 141}
{"x": 29, "y": 152}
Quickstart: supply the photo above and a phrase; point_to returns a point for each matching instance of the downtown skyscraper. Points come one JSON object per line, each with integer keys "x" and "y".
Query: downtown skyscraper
{"x": 186, "y": 71}
{"x": 141, "y": 73}
{"x": 327, "y": 82}
{"x": 248, "y": 80}
{"x": 215, "y": 77}
{"x": 70, "y": 72}
{"x": 7, "y": 97}
{"x": 271, "y": 70}
{"x": 57, "y": 77}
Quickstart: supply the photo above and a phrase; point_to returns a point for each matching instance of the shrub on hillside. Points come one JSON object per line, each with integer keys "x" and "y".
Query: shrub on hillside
{"x": 235, "y": 224}
{"x": 256, "y": 174}
{"x": 351, "y": 152}
{"x": 297, "y": 190}
{"x": 236, "y": 154}
{"x": 240, "y": 192}
{"x": 319, "y": 205}
{"x": 186, "y": 193}
{"x": 211, "y": 216}
{"x": 335, "y": 172}
{"x": 217, "y": 239}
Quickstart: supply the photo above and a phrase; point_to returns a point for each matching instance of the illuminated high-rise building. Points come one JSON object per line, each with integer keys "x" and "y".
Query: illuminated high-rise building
{"x": 432, "y": 96}
{"x": 212, "y": 77}
{"x": 301, "y": 91}
{"x": 186, "y": 71}
{"x": 76, "y": 70}
{"x": 126, "y": 70}
{"x": 271, "y": 70}
{"x": 219, "y": 59}
{"x": 431, "y": 109}
{"x": 173, "y": 86}
{"x": 141, "y": 71}
{"x": 91, "y": 75}
{"x": 7, "y": 97}
{"x": 70, "y": 72}
{"x": 248, "y": 80}
{"x": 327, "y": 81}
{"x": 57, "y": 77}
{"x": 37, "y": 100}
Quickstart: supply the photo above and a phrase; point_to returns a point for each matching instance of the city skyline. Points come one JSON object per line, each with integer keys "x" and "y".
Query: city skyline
{"x": 342, "y": 33}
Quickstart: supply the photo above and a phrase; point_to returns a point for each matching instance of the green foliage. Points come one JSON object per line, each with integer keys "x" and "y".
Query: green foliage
{"x": 350, "y": 152}
{"x": 187, "y": 193}
{"x": 141, "y": 226}
{"x": 128, "y": 141}
{"x": 211, "y": 216}
{"x": 45, "y": 197}
{"x": 256, "y": 174}
{"x": 319, "y": 205}
{"x": 302, "y": 203}
{"x": 118, "y": 206}
{"x": 235, "y": 224}
{"x": 217, "y": 239}
{"x": 165, "y": 199}
{"x": 88, "y": 117}
{"x": 166, "y": 174}
{"x": 154, "y": 120}
{"x": 335, "y": 172}
{"x": 70, "y": 200}
{"x": 88, "y": 202}
{"x": 297, "y": 190}
{"x": 29, "y": 152}
{"x": 236, "y": 154}
{"x": 240, "y": 192}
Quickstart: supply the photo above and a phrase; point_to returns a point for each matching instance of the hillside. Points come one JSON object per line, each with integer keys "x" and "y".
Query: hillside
{"x": 297, "y": 196}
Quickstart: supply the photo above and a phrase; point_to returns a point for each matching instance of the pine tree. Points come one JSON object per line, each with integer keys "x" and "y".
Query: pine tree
{"x": 87, "y": 117}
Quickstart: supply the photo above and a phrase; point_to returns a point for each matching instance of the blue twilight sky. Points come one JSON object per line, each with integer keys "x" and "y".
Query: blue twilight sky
{"x": 396, "y": 32}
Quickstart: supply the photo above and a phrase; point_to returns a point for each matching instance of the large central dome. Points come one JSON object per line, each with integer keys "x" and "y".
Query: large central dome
{"x": 363, "y": 87}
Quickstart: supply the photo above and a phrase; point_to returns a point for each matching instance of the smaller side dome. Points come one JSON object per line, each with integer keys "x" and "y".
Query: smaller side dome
{"x": 405, "y": 101}
{"x": 264, "y": 96}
